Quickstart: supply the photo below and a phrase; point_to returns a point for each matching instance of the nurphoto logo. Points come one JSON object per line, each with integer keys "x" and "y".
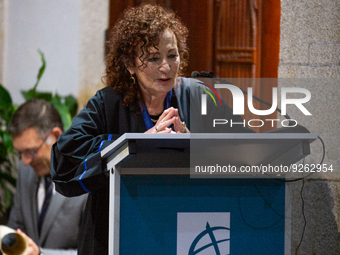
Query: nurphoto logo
{"x": 238, "y": 104}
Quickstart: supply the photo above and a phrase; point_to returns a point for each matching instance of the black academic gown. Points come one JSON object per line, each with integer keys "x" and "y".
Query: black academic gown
{"x": 76, "y": 164}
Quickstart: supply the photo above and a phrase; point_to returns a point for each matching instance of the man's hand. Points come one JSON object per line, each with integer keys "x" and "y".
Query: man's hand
{"x": 32, "y": 248}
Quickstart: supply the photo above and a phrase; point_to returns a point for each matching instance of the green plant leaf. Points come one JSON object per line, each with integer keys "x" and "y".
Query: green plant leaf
{"x": 3, "y": 152}
{"x": 25, "y": 95}
{"x": 5, "y": 98}
{"x": 2, "y": 207}
{"x": 7, "y": 139}
{"x": 6, "y": 114}
{"x": 72, "y": 105}
{"x": 57, "y": 98}
{"x": 32, "y": 93}
{"x": 8, "y": 177}
{"x": 63, "y": 111}
{"x": 8, "y": 196}
{"x": 41, "y": 70}
{"x": 47, "y": 96}
{"x": 29, "y": 94}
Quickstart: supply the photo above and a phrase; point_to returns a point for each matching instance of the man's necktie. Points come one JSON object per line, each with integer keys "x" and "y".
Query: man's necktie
{"x": 47, "y": 200}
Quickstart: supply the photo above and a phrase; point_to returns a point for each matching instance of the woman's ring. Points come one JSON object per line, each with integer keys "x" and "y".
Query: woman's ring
{"x": 185, "y": 127}
{"x": 156, "y": 129}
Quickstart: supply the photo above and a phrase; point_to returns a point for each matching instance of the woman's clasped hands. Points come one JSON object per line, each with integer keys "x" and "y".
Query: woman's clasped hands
{"x": 169, "y": 117}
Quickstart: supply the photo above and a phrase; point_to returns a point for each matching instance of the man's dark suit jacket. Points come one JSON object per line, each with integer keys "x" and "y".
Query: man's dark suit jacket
{"x": 60, "y": 229}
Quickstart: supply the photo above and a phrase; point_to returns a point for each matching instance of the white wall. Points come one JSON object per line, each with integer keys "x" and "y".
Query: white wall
{"x": 49, "y": 25}
{"x": 2, "y": 36}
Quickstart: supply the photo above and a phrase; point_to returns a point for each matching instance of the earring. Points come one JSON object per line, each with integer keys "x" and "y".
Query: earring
{"x": 132, "y": 79}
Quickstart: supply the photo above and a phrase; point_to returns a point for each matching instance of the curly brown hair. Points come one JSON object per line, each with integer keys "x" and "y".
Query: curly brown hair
{"x": 140, "y": 25}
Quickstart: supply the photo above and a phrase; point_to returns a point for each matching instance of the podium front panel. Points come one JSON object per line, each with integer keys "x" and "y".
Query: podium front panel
{"x": 180, "y": 215}
{"x": 156, "y": 208}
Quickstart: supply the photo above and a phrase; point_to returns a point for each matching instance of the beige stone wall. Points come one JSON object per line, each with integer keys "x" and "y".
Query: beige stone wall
{"x": 310, "y": 48}
{"x": 94, "y": 20}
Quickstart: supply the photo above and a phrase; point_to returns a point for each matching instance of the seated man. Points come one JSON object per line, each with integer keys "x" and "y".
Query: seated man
{"x": 49, "y": 221}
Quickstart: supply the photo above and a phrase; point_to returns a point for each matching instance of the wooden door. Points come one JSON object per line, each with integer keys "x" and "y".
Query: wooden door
{"x": 246, "y": 45}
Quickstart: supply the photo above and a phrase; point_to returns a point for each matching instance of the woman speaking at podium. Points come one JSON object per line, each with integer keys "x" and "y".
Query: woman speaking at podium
{"x": 144, "y": 93}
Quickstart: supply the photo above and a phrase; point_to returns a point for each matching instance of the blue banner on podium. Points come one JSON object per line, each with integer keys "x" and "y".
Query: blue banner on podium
{"x": 183, "y": 216}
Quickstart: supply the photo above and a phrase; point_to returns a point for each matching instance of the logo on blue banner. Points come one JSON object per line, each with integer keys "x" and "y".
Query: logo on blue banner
{"x": 203, "y": 233}
{"x": 214, "y": 243}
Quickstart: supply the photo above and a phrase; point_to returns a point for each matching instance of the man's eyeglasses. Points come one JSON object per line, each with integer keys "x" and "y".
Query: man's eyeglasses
{"x": 32, "y": 153}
